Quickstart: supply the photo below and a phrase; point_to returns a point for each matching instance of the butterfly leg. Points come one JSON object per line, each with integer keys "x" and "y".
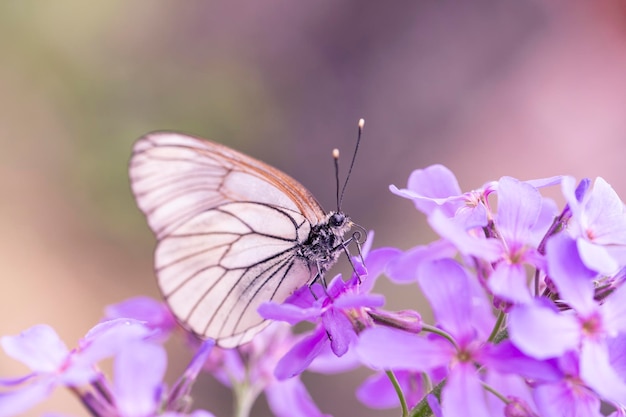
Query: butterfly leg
{"x": 356, "y": 238}
{"x": 319, "y": 278}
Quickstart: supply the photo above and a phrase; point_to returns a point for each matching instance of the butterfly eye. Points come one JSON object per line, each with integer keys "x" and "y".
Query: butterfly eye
{"x": 337, "y": 219}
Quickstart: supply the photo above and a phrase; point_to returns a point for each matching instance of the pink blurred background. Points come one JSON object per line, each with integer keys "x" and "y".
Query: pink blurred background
{"x": 522, "y": 88}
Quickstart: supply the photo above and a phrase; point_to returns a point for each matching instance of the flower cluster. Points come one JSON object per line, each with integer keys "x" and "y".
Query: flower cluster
{"x": 529, "y": 314}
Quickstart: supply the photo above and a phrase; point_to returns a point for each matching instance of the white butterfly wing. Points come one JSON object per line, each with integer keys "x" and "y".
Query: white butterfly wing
{"x": 228, "y": 227}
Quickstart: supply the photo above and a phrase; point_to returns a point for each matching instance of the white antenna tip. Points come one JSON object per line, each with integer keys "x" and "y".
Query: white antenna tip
{"x": 336, "y": 153}
{"x": 361, "y": 123}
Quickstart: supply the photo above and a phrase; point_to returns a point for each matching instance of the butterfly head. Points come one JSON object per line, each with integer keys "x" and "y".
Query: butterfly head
{"x": 337, "y": 219}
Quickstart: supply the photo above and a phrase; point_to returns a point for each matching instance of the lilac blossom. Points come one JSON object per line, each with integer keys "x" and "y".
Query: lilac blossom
{"x": 340, "y": 312}
{"x": 54, "y": 365}
{"x": 377, "y": 391}
{"x": 137, "y": 389}
{"x": 464, "y": 341}
{"x": 585, "y": 331}
{"x": 598, "y": 224}
{"x": 249, "y": 370}
{"x": 498, "y": 346}
{"x": 435, "y": 188}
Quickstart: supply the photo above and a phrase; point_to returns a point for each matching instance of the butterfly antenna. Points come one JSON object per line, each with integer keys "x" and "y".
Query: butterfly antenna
{"x": 356, "y": 148}
{"x": 336, "y": 159}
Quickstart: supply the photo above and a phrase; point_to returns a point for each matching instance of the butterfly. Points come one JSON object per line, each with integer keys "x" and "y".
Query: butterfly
{"x": 232, "y": 232}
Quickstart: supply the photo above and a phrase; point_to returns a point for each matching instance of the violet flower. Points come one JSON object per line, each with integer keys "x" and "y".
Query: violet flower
{"x": 541, "y": 331}
{"x": 249, "y": 371}
{"x": 54, "y": 365}
{"x": 340, "y": 312}
{"x": 465, "y": 330}
{"x": 598, "y": 224}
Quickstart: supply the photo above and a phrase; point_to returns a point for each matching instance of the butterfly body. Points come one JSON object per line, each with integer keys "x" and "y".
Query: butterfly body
{"x": 322, "y": 246}
{"x": 232, "y": 231}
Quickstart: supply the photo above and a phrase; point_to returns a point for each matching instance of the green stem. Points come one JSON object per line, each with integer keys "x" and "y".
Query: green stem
{"x": 396, "y": 386}
{"x": 438, "y": 331}
{"x": 422, "y": 409}
{"x": 245, "y": 397}
{"x": 497, "y": 326}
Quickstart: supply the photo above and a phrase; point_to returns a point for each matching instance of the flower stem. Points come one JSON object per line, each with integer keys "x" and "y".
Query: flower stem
{"x": 245, "y": 397}
{"x": 396, "y": 386}
{"x": 496, "y": 327}
{"x": 422, "y": 409}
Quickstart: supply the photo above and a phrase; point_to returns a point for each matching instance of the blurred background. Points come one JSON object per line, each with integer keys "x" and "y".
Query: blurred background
{"x": 525, "y": 88}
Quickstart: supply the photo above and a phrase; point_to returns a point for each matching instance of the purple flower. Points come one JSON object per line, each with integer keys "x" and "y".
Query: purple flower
{"x": 53, "y": 364}
{"x": 435, "y": 188}
{"x": 339, "y": 312}
{"x": 598, "y": 224}
{"x": 557, "y": 386}
{"x": 377, "y": 391}
{"x": 541, "y": 331}
{"x": 336, "y": 313}
{"x": 249, "y": 370}
{"x": 154, "y": 314}
{"x": 519, "y": 208}
{"x": 465, "y": 329}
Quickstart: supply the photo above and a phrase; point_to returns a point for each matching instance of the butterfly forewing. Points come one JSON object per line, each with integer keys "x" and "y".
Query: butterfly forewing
{"x": 228, "y": 226}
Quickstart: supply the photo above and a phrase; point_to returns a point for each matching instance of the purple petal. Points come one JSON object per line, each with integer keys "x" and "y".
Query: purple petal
{"x": 549, "y": 210}
{"x": 403, "y": 269}
{"x": 327, "y": 362}
{"x": 545, "y": 182}
{"x": 567, "y": 400}
{"x": 508, "y": 281}
{"x": 604, "y": 213}
{"x": 377, "y": 261}
{"x": 139, "y": 369}
{"x": 154, "y": 313}
{"x": 303, "y": 296}
{"x": 201, "y": 413}
{"x": 617, "y": 353}
{"x": 290, "y": 398}
{"x": 349, "y": 301}
{"x": 378, "y": 392}
{"x": 541, "y": 332}
{"x": 572, "y": 278}
{"x": 386, "y": 348}
{"x": 519, "y": 205}
{"x": 339, "y": 329}
{"x": 39, "y": 348}
{"x": 487, "y": 249}
{"x": 445, "y": 285}
{"x": 596, "y": 371}
{"x": 199, "y": 359}
{"x": 336, "y": 287}
{"x": 196, "y": 413}
{"x": 182, "y": 388}
{"x": 18, "y": 401}
{"x": 109, "y": 337}
{"x": 407, "y": 320}
{"x": 433, "y": 186}
{"x": 463, "y": 394}
{"x": 597, "y": 257}
{"x": 12, "y": 382}
{"x": 516, "y": 389}
{"x": 614, "y": 310}
{"x": 301, "y": 355}
{"x": 508, "y": 359}
{"x": 289, "y": 313}
{"x": 434, "y": 405}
